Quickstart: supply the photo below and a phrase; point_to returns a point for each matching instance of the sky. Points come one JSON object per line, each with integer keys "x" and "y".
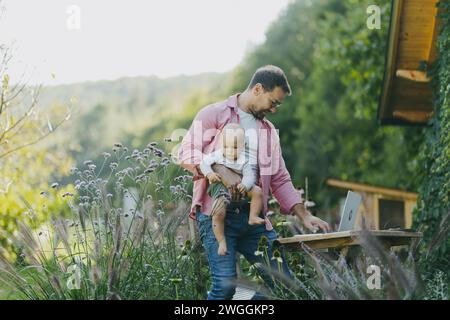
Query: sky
{"x": 61, "y": 41}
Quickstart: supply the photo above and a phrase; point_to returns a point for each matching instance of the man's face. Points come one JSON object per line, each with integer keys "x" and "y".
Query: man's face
{"x": 265, "y": 102}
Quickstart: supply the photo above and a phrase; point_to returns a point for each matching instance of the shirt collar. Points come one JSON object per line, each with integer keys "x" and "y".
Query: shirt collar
{"x": 232, "y": 103}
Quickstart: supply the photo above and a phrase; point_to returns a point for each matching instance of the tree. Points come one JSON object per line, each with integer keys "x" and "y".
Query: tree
{"x": 26, "y": 171}
{"x": 21, "y": 124}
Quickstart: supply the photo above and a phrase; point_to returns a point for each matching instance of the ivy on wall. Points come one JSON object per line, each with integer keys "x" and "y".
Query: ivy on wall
{"x": 433, "y": 209}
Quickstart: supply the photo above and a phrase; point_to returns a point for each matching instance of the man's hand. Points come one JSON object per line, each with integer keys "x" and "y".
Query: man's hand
{"x": 213, "y": 177}
{"x": 309, "y": 221}
{"x": 314, "y": 224}
{"x": 230, "y": 179}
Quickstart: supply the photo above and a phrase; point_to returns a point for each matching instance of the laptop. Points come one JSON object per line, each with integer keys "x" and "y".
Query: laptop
{"x": 350, "y": 211}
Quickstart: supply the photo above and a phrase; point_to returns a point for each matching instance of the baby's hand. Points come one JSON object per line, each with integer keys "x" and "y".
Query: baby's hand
{"x": 242, "y": 189}
{"x": 213, "y": 177}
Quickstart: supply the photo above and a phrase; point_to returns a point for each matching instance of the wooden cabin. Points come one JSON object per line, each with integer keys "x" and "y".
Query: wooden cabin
{"x": 382, "y": 208}
{"x": 406, "y": 97}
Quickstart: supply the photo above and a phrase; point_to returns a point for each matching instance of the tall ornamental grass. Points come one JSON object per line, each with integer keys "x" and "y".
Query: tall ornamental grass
{"x": 127, "y": 237}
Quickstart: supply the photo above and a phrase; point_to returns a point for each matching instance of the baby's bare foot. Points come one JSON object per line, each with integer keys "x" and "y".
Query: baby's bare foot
{"x": 256, "y": 220}
{"x": 222, "y": 251}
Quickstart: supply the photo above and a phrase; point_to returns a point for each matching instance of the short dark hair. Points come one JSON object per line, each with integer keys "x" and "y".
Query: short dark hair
{"x": 270, "y": 76}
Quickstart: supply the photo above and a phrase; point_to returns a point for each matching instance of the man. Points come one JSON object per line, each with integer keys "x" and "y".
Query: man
{"x": 264, "y": 94}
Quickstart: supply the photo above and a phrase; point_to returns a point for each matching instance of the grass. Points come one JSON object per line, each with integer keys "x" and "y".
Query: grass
{"x": 128, "y": 238}
{"x": 106, "y": 250}
{"x": 320, "y": 275}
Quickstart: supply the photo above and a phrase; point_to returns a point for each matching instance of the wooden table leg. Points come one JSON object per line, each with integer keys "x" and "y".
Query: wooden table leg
{"x": 343, "y": 253}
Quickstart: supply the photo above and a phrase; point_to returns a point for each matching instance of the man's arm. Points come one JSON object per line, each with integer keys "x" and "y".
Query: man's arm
{"x": 283, "y": 189}
{"x": 201, "y": 132}
{"x": 290, "y": 199}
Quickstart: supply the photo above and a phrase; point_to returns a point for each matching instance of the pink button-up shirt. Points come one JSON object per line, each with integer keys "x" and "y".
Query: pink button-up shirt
{"x": 202, "y": 138}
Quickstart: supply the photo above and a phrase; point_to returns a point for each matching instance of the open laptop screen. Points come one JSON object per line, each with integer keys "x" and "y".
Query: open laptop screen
{"x": 349, "y": 212}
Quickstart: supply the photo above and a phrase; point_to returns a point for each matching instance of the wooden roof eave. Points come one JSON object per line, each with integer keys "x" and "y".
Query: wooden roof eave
{"x": 391, "y": 53}
{"x": 389, "y": 113}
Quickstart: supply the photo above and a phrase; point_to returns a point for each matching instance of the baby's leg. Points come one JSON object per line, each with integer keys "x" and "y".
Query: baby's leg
{"x": 218, "y": 220}
{"x": 256, "y": 206}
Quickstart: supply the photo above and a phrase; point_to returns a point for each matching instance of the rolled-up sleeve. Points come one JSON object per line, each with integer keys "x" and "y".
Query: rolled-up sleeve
{"x": 200, "y": 134}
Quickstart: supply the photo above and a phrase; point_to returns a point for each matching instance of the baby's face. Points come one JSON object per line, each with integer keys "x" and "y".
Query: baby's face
{"x": 233, "y": 144}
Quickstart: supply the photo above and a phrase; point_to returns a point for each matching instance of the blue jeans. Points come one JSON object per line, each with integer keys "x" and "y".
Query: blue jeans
{"x": 240, "y": 237}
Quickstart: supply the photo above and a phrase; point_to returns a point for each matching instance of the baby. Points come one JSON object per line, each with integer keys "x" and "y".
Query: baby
{"x": 232, "y": 155}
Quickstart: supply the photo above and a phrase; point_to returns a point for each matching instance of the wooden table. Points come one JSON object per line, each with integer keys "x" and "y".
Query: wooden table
{"x": 345, "y": 239}
{"x": 342, "y": 241}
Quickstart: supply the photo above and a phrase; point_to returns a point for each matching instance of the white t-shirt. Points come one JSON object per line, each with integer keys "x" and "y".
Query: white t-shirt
{"x": 249, "y": 123}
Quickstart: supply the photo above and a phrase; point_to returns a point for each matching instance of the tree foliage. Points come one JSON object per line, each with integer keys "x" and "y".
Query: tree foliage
{"x": 328, "y": 128}
{"x": 26, "y": 167}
